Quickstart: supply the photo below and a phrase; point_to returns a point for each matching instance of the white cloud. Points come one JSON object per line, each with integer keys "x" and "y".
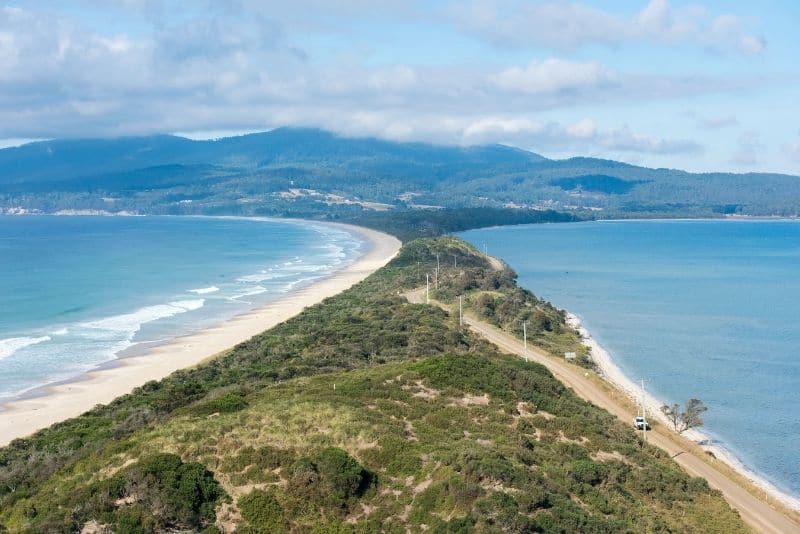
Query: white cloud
{"x": 559, "y": 25}
{"x": 393, "y": 78}
{"x": 489, "y": 128}
{"x": 751, "y": 45}
{"x": 727, "y": 30}
{"x": 569, "y": 25}
{"x": 11, "y": 143}
{"x": 792, "y": 150}
{"x": 554, "y": 75}
{"x": 240, "y": 71}
{"x": 717, "y": 122}
{"x": 748, "y": 150}
{"x": 583, "y": 129}
{"x": 583, "y": 136}
{"x": 625, "y": 140}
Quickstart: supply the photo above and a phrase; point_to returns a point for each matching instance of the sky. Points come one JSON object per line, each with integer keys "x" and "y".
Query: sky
{"x": 709, "y": 85}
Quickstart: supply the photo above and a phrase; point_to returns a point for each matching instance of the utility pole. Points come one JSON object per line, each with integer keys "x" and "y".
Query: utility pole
{"x": 427, "y": 288}
{"x": 455, "y": 261}
{"x": 460, "y": 310}
{"x": 644, "y": 417}
{"x": 525, "y": 338}
{"x": 417, "y": 270}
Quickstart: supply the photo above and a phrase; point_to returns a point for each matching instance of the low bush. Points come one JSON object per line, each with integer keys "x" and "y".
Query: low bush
{"x": 331, "y": 479}
{"x": 159, "y": 492}
{"x": 225, "y": 403}
{"x": 262, "y": 512}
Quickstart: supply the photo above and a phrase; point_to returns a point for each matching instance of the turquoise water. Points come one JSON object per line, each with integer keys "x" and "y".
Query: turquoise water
{"x": 696, "y": 308}
{"x": 75, "y": 292}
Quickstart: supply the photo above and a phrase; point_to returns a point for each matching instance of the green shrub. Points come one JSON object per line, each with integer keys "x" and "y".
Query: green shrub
{"x": 341, "y": 476}
{"x": 588, "y": 472}
{"x": 135, "y": 520}
{"x": 331, "y": 479}
{"x": 500, "y": 512}
{"x": 427, "y": 502}
{"x": 463, "y": 492}
{"x": 458, "y": 525}
{"x": 493, "y": 468}
{"x": 225, "y": 403}
{"x": 467, "y": 373}
{"x": 165, "y": 493}
{"x": 262, "y": 511}
{"x": 263, "y": 458}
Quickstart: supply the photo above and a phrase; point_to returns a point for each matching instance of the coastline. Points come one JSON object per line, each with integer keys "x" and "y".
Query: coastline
{"x": 140, "y": 345}
{"x": 610, "y": 372}
{"x": 24, "y": 416}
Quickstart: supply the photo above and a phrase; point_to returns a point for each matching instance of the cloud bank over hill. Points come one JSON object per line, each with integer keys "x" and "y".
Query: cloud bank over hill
{"x": 559, "y": 78}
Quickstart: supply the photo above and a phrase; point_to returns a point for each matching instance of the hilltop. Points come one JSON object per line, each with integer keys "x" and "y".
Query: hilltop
{"x": 313, "y": 173}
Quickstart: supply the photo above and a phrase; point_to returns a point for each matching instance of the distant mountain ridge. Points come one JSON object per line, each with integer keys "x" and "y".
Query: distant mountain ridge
{"x": 62, "y": 159}
{"x": 299, "y": 170}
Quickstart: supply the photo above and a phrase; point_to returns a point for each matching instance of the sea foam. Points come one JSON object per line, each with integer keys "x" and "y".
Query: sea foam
{"x": 261, "y": 277}
{"x": 11, "y": 345}
{"x": 204, "y": 290}
{"x": 255, "y": 290}
{"x": 132, "y": 322}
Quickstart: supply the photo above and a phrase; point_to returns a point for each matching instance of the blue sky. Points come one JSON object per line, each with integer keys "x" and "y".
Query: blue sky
{"x": 705, "y": 85}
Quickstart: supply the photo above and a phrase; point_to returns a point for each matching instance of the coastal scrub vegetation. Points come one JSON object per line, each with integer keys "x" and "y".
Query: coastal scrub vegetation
{"x": 489, "y": 290}
{"x": 156, "y": 493}
{"x": 407, "y": 225}
{"x": 364, "y": 413}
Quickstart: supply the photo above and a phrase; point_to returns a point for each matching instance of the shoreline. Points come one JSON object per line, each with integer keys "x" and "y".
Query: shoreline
{"x": 143, "y": 347}
{"x": 611, "y": 373}
{"x": 732, "y": 218}
{"x": 21, "y": 417}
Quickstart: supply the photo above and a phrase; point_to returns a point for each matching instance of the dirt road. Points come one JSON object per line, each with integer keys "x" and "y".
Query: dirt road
{"x": 755, "y": 512}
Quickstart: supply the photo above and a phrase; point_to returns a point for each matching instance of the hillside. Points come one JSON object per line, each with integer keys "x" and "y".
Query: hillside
{"x": 305, "y": 172}
{"x": 363, "y": 413}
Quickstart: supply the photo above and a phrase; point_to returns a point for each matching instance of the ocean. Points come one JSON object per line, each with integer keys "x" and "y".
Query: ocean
{"x": 705, "y": 309}
{"x": 78, "y": 292}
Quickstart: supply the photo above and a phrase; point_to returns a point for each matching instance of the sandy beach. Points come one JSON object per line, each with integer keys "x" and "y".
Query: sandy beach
{"x": 21, "y": 418}
{"x": 613, "y": 374}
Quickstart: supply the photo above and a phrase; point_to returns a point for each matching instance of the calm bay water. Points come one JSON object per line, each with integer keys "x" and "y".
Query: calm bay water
{"x": 76, "y": 291}
{"x": 696, "y": 308}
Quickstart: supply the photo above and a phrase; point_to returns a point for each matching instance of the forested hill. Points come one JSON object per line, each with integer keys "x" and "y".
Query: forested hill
{"x": 73, "y": 161}
{"x": 292, "y": 171}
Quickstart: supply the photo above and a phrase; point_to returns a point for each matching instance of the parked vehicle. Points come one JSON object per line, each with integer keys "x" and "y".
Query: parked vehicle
{"x": 641, "y": 423}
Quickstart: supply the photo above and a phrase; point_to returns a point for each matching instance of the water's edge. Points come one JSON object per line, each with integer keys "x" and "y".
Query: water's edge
{"x": 141, "y": 347}
{"x": 609, "y": 371}
{"x": 694, "y": 307}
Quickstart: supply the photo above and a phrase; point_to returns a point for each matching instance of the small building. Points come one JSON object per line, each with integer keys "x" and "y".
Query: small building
{"x": 570, "y": 355}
